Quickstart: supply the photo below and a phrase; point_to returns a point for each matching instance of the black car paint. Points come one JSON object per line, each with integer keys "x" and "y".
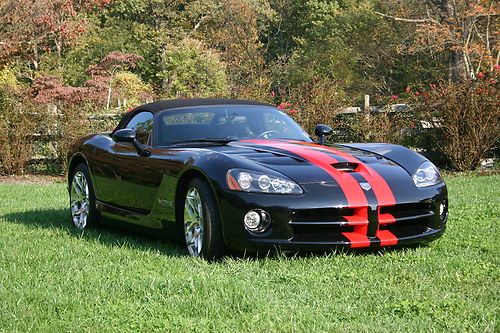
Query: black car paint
{"x": 144, "y": 191}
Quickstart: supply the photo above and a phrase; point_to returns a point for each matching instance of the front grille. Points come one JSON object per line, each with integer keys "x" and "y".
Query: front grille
{"x": 322, "y": 215}
{"x": 326, "y": 224}
{"x": 335, "y": 224}
{"x": 406, "y": 219}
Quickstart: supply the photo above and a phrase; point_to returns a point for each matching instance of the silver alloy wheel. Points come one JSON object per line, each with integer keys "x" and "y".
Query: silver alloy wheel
{"x": 193, "y": 222}
{"x": 79, "y": 200}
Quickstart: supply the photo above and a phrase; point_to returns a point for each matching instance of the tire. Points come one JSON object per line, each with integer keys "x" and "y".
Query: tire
{"x": 82, "y": 198}
{"x": 201, "y": 226}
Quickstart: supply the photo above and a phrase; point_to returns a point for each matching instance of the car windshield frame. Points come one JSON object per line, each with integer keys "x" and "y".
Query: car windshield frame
{"x": 230, "y": 112}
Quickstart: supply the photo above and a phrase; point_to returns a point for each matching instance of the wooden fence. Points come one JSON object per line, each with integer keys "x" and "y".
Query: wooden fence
{"x": 46, "y": 139}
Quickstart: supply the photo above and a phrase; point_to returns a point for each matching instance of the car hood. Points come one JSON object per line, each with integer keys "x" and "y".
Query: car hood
{"x": 312, "y": 163}
{"x": 351, "y": 175}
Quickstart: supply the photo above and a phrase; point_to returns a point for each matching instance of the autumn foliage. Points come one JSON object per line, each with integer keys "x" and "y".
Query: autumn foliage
{"x": 65, "y": 64}
{"x": 465, "y": 116}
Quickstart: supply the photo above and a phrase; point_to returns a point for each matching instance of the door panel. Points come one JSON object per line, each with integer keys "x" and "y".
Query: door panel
{"x": 124, "y": 178}
{"x": 127, "y": 180}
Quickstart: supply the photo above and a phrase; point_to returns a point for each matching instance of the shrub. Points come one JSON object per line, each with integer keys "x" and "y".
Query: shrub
{"x": 465, "y": 116}
{"x": 65, "y": 124}
{"x": 130, "y": 89}
{"x": 16, "y": 130}
{"x": 313, "y": 103}
{"x": 397, "y": 127}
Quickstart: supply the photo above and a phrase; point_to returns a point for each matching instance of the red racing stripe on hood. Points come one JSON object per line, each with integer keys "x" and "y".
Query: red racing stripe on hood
{"x": 383, "y": 192}
{"x": 353, "y": 192}
{"x": 349, "y": 185}
{"x": 318, "y": 155}
{"x": 380, "y": 187}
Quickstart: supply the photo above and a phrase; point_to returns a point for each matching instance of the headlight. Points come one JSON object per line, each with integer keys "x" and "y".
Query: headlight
{"x": 254, "y": 181}
{"x": 426, "y": 175}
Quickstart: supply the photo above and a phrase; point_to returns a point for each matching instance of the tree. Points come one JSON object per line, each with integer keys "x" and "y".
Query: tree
{"x": 147, "y": 27}
{"x": 466, "y": 30}
{"x": 192, "y": 70}
{"x": 30, "y": 29}
{"x": 341, "y": 42}
{"x": 103, "y": 72}
{"x": 234, "y": 29}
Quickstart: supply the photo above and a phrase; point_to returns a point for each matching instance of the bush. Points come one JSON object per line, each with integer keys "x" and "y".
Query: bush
{"x": 465, "y": 116}
{"x": 35, "y": 137}
{"x": 130, "y": 89}
{"x": 313, "y": 103}
{"x": 192, "y": 70}
{"x": 16, "y": 130}
{"x": 389, "y": 127}
{"x": 67, "y": 123}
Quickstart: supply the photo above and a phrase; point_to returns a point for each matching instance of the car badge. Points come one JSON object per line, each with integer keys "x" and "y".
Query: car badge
{"x": 365, "y": 186}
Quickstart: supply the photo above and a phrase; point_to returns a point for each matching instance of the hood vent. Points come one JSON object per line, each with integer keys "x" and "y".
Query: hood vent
{"x": 345, "y": 166}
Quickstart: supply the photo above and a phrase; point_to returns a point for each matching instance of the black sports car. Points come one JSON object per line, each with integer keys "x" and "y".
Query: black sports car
{"x": 243, "y": 175}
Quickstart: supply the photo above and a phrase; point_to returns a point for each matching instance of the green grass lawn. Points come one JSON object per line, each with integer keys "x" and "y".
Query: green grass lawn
{"x": 55, "y": 279}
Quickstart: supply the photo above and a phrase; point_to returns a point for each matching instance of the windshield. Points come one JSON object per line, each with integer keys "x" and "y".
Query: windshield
{"x": 228, "y": 122}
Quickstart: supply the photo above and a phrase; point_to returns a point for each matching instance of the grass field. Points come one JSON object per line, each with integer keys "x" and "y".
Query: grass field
{"x": 55, "y": 279}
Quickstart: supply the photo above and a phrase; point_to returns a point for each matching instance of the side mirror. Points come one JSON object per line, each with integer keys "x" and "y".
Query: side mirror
{"x": 128, "y": 135}
{"x": 322, "y": 131}
{"x": 124, "y": 135}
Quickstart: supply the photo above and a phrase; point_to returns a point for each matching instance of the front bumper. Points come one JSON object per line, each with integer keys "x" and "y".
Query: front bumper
{"x": 315, "y": 222}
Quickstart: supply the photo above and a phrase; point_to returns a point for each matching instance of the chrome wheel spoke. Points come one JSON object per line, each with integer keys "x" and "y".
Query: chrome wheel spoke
{"x": 193, "y": 222}
{"x": 78, "y": 186}
{"x": 79, "y": 200}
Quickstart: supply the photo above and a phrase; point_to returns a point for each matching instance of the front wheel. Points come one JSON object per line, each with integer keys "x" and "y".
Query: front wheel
{"x": 201, "y": 221}
{"x": 82, "y": 198}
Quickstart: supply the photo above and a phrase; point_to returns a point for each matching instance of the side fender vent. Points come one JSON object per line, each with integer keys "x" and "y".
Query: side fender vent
{"x": 345, "y": 166}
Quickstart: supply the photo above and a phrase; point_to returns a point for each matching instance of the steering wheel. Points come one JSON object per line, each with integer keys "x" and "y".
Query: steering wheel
{"x": 267, "y": 134}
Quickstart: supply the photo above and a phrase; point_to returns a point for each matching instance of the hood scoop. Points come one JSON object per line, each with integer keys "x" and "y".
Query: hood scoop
{"x": 345, "y": 166}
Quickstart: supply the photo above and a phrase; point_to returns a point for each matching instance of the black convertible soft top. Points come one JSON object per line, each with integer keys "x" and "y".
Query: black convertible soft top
{"x": 182, "y": 103}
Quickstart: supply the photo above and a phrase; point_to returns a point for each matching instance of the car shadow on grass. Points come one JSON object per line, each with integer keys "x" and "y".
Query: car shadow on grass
{"x": 108, "y": 235}
{"x": 111, "y": 235}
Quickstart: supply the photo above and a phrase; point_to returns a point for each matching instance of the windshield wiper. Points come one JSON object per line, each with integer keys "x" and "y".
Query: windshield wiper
{"x": 210, "y": 140}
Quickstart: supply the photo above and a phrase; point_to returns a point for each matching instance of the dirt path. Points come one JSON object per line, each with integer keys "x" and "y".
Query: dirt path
{"x": 31, "y": 179}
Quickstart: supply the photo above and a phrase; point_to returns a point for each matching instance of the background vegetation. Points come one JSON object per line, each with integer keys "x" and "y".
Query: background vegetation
{"x": 66, "y": 64}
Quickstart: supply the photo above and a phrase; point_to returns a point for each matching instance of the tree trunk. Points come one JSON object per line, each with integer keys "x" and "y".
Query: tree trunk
{"x": 456, "y": 67}
{"x": 457, "y": 62}
{"x": 108, "y": 102}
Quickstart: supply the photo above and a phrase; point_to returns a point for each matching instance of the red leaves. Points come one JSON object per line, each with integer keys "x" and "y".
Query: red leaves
{"x": 288, "y": 108}
{"x": 49, "y": 89}
{"x": 483, "y": 85}
{"x": 113, "y": 61}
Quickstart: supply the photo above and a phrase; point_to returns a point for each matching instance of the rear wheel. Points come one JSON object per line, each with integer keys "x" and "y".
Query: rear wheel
{"x": 201, "y": 221}
{"x": 82, "y": 198}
